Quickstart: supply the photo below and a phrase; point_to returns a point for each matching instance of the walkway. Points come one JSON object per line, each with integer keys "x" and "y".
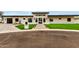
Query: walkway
{"x": 7, "y": 28}
{"x": 40, "y": 26}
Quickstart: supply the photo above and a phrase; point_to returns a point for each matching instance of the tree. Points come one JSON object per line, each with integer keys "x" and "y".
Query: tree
{"x": 1, "y": 13}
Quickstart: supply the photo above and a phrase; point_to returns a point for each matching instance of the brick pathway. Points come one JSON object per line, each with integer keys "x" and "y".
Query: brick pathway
{"x": 8, "y": 27}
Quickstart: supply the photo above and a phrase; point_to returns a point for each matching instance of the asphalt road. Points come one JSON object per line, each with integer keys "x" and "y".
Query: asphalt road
{"x": 40, "y": 39}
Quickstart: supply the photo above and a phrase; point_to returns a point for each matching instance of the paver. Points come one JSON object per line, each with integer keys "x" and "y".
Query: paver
{"x": 40, "y": 26}
{"x": 8, "y": 27}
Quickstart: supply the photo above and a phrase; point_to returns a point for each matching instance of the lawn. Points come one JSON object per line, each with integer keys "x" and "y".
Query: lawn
{"x": 32, "y": 26}
{"x": 63, "y": 26}
{"x": 21, "y": 26}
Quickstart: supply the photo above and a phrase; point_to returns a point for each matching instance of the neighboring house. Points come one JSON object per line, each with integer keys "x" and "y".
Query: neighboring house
{"x": 11, "y": 17}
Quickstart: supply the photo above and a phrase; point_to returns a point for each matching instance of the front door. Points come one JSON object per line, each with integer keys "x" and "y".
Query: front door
{"x": 40, "y": 21}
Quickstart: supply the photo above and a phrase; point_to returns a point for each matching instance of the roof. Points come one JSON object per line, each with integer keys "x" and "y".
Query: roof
{"x": 17, "y": 13}
{"x": 51, "y": 13}
{"x": 59, "y": 13}
{"x": 40, "y": 12}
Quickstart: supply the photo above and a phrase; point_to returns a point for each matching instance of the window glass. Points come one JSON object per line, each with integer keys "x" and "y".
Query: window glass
{"x": 59, "y": 18}
{"x": 44, "y": 20}
{"x": 51, "y": 20}
{"x": 16, "y": 19}
{"x": 69, "y": 19}
{"x": 36, "y": 20}
{"x": 30, "y": 20}
{"x": 23, "y": 18}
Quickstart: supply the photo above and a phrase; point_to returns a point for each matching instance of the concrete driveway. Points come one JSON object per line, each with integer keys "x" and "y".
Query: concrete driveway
{"x": 8, "y": 27}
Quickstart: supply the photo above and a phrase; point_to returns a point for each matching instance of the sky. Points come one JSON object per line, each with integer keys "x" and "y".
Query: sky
{"x": 39, "y": 5}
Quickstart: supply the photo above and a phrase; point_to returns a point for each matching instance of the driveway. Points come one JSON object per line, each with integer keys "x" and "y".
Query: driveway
{"x": 40, "y": 39}
{"x": 7, "y": 27}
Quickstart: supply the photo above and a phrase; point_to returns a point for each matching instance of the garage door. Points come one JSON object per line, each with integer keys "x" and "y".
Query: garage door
{"x": 9, "y": 20}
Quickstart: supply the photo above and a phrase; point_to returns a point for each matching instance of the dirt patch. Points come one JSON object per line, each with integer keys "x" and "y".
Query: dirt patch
{"x": 40, "y": 39}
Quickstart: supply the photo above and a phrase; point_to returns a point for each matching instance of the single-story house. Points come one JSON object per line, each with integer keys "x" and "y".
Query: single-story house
{"x": 11, "y": 17}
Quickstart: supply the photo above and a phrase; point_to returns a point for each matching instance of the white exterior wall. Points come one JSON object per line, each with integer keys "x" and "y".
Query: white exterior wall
{"x": 74, "y": 19}
{"x": 13, "y": 19}
{"x": 63, "y": 20}
{"x": 4, "y": 20}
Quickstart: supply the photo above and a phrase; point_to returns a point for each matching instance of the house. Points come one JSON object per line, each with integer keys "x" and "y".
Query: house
{"x": 11, "y": 17}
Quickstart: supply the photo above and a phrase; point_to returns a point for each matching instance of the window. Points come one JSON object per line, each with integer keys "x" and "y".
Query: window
{"x": 44, "y": 20}
{"x": 36, "y": 20}
{"x": 51, "y": 20}
{"x": 69, "y": 19}
{"x": 30, "y": 20}
{"x": 9, "y": 20}
{"x": 59, "y": 18}
{"x": 26, "y": 23}
{"x": 16, "y": 19}
{"x": 23, "y": 18}
{"x": 40, "y": 19}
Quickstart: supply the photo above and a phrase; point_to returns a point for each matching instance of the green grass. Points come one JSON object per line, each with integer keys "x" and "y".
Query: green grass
{"x": 63, "y": 26}
{"x": 21, "y": 26}
{"x": 31, "y": 26}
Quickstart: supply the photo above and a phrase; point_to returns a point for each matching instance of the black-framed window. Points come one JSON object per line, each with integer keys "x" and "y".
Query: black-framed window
{"x": 68, "y": 19}
{"x": 40, "y": 19}
{"x": 36, "y": 20}
{"x": 59, "y": 18}
{"x": 16, "y": 19}
{"x": 26, "y": 23}
{"x": 51, "y": 20}
{"x": 30, "y": 20}
{"x": 44, "y": 20}
{"x": 23, "y": 18}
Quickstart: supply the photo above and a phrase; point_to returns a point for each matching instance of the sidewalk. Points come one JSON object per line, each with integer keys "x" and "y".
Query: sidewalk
{"x": 40, "y": 26}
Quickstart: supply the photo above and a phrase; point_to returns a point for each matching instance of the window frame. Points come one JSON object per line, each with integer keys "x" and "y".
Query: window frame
{"x": 30, "y": 20}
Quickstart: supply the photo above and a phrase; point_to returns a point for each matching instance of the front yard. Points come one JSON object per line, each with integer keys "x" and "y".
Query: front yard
{"x": 21, "y": 26}
{"x": 63, "y": 26}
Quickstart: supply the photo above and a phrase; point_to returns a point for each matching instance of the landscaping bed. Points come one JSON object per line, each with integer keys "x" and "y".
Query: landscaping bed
{"x": 63, "y": 26}
{"x": 21, "y": 26}
{"x": 32, "y": 26}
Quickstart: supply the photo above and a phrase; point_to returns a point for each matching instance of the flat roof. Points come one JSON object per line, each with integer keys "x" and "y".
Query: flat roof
{"x": 50, "y": 13}
{"x": 17, "y": 13}
{"x": 40, "y": 12}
